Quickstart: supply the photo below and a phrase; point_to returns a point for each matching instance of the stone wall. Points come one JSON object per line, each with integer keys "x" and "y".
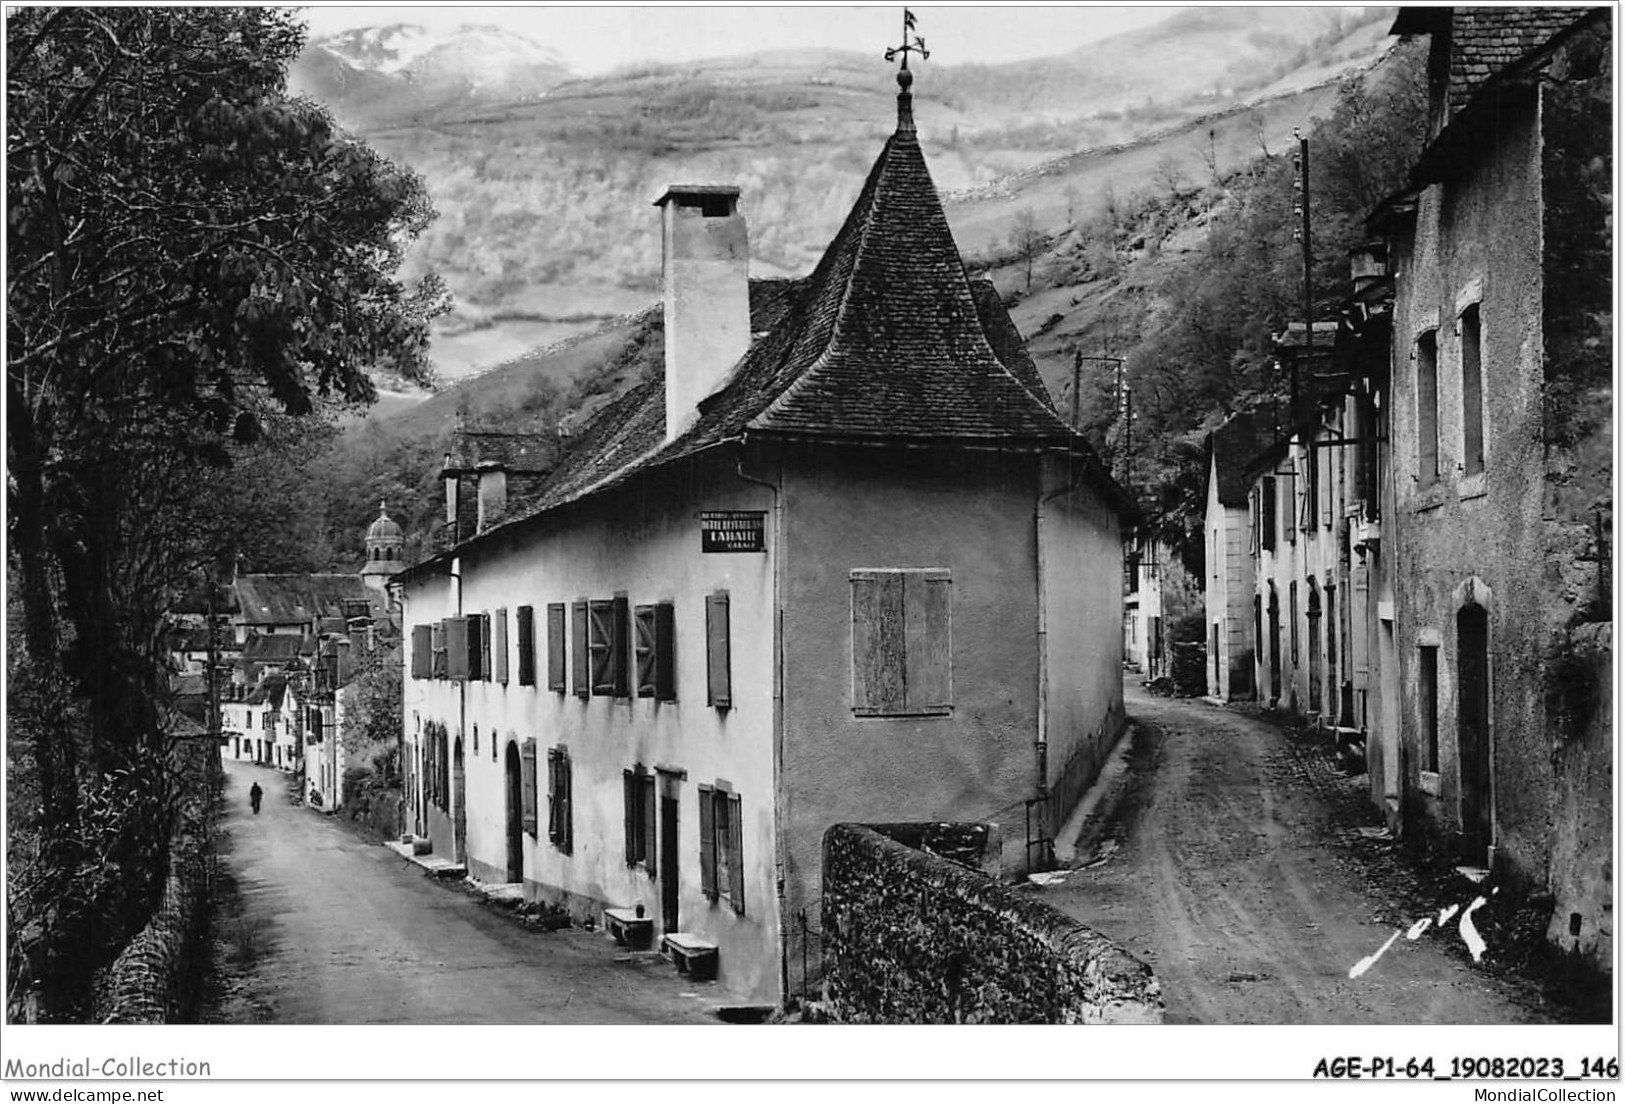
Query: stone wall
{"x": 152, "y": 980}
{"x": 912, "y": 937}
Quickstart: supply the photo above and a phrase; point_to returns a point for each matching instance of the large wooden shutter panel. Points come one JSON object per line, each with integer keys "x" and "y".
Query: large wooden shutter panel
{"x": 878, "y": 658}
{"x": 717, "y": 647}
{"x": 643, "y": 650}
{"x": 456, "y": 635}
{"x": 581, "y": 669}
{"x": 736, "y": 852}
{"x": 665, "y": 652}
{"x": 708, "y": 843}
{"x": 527, "y": 781}
{"x": 527, "y": 646}
{"x": 555, "y": 647}
{"x": 926, "y": 598}
{"x": 422, "y": 651}
{"x": 499, "y": 647}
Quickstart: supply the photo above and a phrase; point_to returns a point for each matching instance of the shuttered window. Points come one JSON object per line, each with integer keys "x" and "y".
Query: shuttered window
{"x": 499, "y": 646}
{"x": 527, "y": 785}
{"x": 1472, "y": 393}
{"x": 558, "y": 798}
{"x": 555, "y": 647}
{"x": 526, "y": 628}
{"x": 456, "y": 632}
{"x": 581, "y": 667}
{"x": 654, "y": 634}
{"x": 1427, "y": 408}
{"x": 719, "y": 682}
{"x": 638, "y": 792}
{"x": 722, "y": 866}
{"x": 422, "y": 651}
{"x": 1267, "y": 517}
{"x": 479, "y": 641}
{"x": 901, "y": 643}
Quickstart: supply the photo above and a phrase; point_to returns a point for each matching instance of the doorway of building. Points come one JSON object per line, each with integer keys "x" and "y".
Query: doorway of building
{"x": 1275, "y": 645}
{"x": 1315, "y": 673}
{"x": 670, "y": 788}
{"x": 515, "y": 818}
{"x": 459, "y": 816}
{"x": 1473, "y": 728}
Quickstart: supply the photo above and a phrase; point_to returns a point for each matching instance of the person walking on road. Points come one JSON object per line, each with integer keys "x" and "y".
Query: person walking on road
{"x": 254, "y": 795}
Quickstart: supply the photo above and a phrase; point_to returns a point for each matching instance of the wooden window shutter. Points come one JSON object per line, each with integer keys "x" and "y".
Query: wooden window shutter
{"x": 736, "y": 852}
{"x": 475, "y": 646}
{"x": 877, "y": 642}
{"x": 499, "y": 646}
{"x": 708, "y": 843}
{"x": 456, "y": 636}
{"x": 527, "y": 782}
{"x": 526, "y": 627}
{"x": 643, "y": 649}
{"x": 555, "y": 647}
{"x": 646, "y": 788}
{"x": 926, "y": 641}
{"x": 581, "y": 669}
{"x": 620, "y": 648}
{"x": 629, "y": 797}
{"x": 665, "y": 652}
{"x": 422, "y": 651}
{"x": 485, "y": 646}
{"x": 600, "y": 645}
{"x": 555, "y": 799}
{"x": 566, "y": 785}
{"x": 719, "y": 684}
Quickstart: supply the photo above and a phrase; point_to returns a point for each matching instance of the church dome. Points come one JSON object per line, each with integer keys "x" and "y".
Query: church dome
{"x": 384, "y": 528}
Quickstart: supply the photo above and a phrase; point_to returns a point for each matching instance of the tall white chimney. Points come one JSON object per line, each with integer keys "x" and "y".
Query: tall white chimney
{"x": 705, "y": 269}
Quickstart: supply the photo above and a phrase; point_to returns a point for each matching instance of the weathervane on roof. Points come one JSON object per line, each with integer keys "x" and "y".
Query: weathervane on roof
{"x": 905, "y": 100}
{"x": 917, "y": 46}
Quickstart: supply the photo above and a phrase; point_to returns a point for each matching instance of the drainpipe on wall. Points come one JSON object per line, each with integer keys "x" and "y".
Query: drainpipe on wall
{"x": 456, "y": 573}
{"x": 779, "y": 859}
{"x": 1040, "y": 513}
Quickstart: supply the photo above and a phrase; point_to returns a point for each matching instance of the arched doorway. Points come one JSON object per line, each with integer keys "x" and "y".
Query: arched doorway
{"x": 515, "y": 819}
{"x": 1473, "y": 727}
{"x": 459, "y": 791}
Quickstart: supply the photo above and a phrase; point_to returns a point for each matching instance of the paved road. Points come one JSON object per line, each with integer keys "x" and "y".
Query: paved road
{"x": 347, "y": 932}
{"x": 1224, "y": 869}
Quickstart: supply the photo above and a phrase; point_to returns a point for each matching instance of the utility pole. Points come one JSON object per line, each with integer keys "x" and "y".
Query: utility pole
{"x": 1077, "y": 383}
{"x": 1301, "y": 185}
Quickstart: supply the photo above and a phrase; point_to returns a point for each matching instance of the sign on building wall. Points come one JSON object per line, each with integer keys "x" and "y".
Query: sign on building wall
{"x": 732, "y": 531}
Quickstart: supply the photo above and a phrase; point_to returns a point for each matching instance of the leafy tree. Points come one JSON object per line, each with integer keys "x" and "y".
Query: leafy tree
{"x": 193, "y": 257}
{"x": 1026, "y": 240}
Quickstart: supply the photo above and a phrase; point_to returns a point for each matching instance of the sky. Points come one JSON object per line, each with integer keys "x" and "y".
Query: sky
{"x": 598, "y": 37}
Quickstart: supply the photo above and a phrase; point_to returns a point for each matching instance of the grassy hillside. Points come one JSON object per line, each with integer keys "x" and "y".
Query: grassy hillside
{"x": 545, "y": 229}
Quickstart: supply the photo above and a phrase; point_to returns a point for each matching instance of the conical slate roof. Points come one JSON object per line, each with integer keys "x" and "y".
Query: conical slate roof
{"x": 887, "y": 341}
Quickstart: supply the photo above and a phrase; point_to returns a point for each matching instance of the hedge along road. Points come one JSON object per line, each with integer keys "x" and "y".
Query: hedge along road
{"x": 348, "y": 932}
{"x": 1223, "y": 867}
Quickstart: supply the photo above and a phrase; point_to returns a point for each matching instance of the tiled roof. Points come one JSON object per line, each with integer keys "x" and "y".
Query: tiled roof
{"x": 293, "y": 599}
{"x": 1483, "y": 41}
{"x": 272, "y": 648}
{"x": 269, "y": 692}
{"x": 888, "y": 340}
{"x": 1233, "y": 447}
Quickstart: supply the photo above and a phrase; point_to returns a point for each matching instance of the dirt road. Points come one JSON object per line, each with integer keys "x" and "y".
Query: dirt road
{"x": 334, "y": 930}
{"x": 1225, "y": 869}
